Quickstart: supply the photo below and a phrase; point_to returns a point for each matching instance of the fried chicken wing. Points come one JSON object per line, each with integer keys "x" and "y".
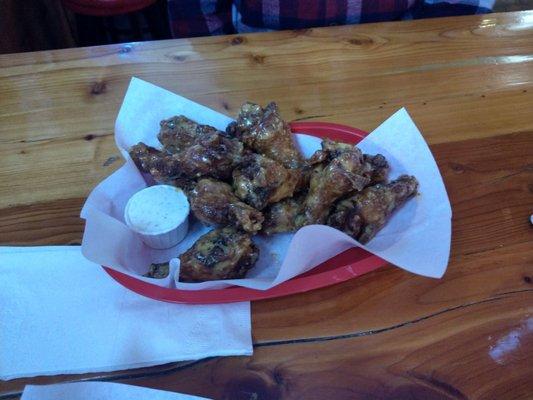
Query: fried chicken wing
{"x": 210, "y": 155}
{"x": 306, "y": 171}
{"x": 190, "y": 151}
{"x": 334, "y": 149}
{"x": 263, "y": 130}
{"x": 326, "y": 185}
{"x": 375, "y": 167}
{"x": 158, "y": 163}
{"x": 260, "y": 181}
{"x": 331, "y": 181}
{"x": 180, "y": 132}
{"x": 281, "y": 216}
{"x": 225, "y": 253}
{"x": 214, "y": 203}
{"x": 364, "y": 214}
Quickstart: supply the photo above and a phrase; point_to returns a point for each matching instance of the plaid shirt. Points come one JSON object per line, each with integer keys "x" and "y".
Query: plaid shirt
{"x": 217, "y": 17}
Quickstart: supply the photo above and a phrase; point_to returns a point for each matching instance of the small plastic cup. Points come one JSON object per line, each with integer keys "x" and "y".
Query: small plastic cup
{"x": 159, "y": 215}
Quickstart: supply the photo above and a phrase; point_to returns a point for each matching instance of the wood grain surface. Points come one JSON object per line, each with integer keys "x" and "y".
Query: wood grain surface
{"x": 468, "y": 84}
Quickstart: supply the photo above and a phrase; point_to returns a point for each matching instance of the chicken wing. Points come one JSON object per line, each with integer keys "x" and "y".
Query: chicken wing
{"x": 260, "y": 181}
{"x": 224, "y": 253}
{"x": 214, "y": 203}
{"x": 158, "y": 163}
{"x": 334, "y": 149}
{"x": 180, "y": 132}
{"x": 307, "y": 170}
{"x": 331, "y": 181}
{"x": 211, "y": 155}
{"x": 374, "y": 167}
{"x": 281, "y": 216}
{"x": 190, "y": 150}
{"x": 263, "y": 130}
{"x": 364, "y": 214}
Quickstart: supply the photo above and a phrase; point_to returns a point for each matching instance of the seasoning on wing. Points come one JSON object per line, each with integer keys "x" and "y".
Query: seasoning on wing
{"x": 364, "y": 214}
{"x": 281, "y": 216}
{"x": 214, "y": 203}
{"x": 263, "y": 130}
{"x": 158, "y": 163}
{"x": 179, "y": 132}
{"x": 260, "y": 181}
{"x": 374, "y": 167}
{"x": 158, "y": 271}
{"x": 190, "y": 151}
{"x": 329, "y": 182}
{"x": 334, "y": 149}
{"x": 224, "y": 253}
{"x": 211, "y": 155}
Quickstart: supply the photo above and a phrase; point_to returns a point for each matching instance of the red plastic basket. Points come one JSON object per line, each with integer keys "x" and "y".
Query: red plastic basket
{"x": 347, "y": 265}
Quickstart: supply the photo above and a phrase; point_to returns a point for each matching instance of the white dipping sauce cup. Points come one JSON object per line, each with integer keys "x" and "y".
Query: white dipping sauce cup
{"x": 159, "y": 215}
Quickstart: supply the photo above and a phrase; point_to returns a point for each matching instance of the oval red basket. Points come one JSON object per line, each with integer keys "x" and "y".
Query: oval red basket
{"x": 347, "y": 265}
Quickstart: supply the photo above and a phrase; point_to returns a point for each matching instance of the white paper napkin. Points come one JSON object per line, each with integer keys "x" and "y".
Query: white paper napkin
{"x": 99, "y": 391}
{"x": 60, "y": 314}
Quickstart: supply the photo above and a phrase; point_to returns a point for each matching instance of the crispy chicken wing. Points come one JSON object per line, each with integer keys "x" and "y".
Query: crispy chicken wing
{"x": 364, "y": 214}
{"x": 214, "y": 203}
{"x": 210, "y": 155}
{"x": 331, "y": 181}
{"x": 375, "y": 167}
{"x": 158, "y": 163}
{"x": 334, "y": 149}
{"x": 224, "y": 253}
{"x": 281, "y": 216}
{"x": 190, "y": 151}
{"x": 260, "y": 181}
{"x": 263, "y": 130}
{"x": 180, "y": 132}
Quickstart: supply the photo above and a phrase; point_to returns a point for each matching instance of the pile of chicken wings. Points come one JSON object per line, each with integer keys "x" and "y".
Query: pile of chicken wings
{"x": 252, "y": 179}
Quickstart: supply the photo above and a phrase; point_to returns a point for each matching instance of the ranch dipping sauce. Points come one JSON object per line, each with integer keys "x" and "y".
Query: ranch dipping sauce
{"x": 159, "y": 215}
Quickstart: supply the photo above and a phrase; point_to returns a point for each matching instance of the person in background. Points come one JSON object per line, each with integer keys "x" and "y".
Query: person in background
{"x": 190, "y": 18}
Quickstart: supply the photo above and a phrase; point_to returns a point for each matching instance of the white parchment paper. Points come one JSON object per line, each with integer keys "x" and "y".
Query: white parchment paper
{"x": 417, "y": 237}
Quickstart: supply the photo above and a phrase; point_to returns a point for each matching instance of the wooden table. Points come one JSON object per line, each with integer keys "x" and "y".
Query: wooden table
{"x": 467, "y": 82}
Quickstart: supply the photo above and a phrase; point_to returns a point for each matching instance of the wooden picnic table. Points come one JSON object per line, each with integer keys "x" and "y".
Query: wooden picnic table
{"x": 468, "y": 84}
